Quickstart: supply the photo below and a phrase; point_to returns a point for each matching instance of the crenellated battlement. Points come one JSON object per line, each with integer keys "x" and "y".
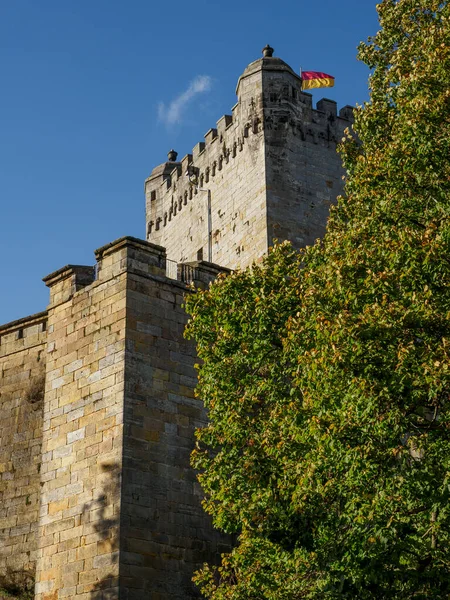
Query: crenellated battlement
{"x": 210, "y": 157}
{"x": 226, "y": 204}
{"x": 23, "y": 333}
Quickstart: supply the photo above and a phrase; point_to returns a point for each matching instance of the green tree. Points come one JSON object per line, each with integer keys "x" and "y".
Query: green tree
{"x": 326, "y": 373}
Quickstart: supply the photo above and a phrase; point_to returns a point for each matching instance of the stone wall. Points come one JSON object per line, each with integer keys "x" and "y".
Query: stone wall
{"x": 97, "y": 424}
{"x": 165, "y": 535}
{"x": 22, "y": 370}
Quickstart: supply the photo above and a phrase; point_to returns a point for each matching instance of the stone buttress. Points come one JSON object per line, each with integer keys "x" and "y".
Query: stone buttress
{"x": 120, "y": 507}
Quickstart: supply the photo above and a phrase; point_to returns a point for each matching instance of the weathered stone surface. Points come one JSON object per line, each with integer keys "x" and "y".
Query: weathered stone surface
{"x": 22, "y": 371}
{"x": 162, "y": 522}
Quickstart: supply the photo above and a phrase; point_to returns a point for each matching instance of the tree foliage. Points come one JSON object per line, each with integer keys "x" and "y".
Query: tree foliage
{"x": 326, "y": 374}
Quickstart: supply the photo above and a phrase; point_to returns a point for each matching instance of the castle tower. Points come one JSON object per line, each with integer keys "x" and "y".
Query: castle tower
{"x": 267, "y": 171}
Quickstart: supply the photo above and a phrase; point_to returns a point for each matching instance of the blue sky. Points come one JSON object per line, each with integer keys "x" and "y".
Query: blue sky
{"x": 95, "y": 92}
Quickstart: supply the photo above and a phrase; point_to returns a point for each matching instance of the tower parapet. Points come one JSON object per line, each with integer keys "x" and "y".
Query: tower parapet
{"x": 267, "y": 171}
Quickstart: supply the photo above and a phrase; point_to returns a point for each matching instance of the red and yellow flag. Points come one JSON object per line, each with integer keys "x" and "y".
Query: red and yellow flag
{"x": 315, "y": 79}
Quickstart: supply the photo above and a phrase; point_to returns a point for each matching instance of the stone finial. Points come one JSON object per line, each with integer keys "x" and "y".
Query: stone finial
{"x": 172, "y": 155}
{"x": 267, "y": 51}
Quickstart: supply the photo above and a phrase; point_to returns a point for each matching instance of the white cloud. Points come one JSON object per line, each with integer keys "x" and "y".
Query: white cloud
{"x": 172, "y": 113}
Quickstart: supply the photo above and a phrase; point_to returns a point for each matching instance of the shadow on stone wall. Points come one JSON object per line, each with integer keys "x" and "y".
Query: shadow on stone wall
{"x": 34, "y": 394}
{"x": 21, "y": 412}
{"x": 18, "y": 585}
{"x": 107, "y": 528}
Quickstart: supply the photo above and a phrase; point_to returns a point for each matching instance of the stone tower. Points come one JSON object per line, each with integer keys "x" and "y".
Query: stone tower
{"x": 97, "y": 405}
{"x": 267, "y": 171}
